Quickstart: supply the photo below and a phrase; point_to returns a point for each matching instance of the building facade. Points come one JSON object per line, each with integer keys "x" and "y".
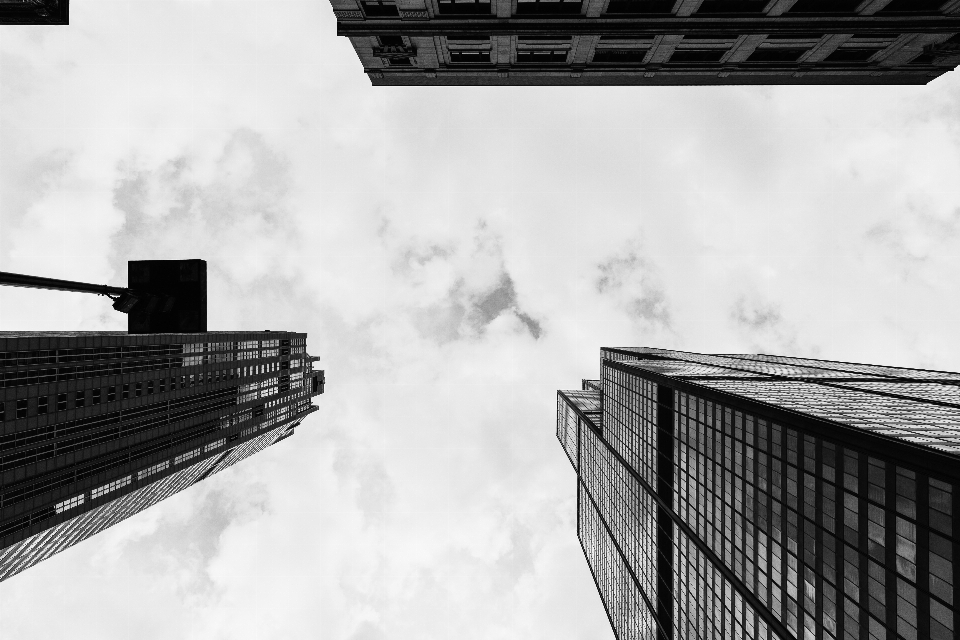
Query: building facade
{"x": 97, "y": 426}
{"x": 651, "y": 42}
{"x": 766, "y": 497}
{"x": 34, "y": 11}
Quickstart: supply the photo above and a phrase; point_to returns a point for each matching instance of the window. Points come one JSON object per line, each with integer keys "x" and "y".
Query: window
{"x": 163, "y": 385}
{"x": 732, "y": 6}
{"x": 214, "y": 445}
{"x": 80, "y": 399}
{"x": 825, "y": 6}
{"x": 641, "y": 6}
{"x": 138, "y": 389}
{"x": 183, "y": 457}
{"x": 95, "y": 396}
{"x": 912, "y": 6}
{"x": 126, "y": 391}
{"x": 941, "y": 568}
{"x": 150, "y": 386}
{"x": 776, "y": 55}
{"x": 547, "y": 7}
{"x": 461, "y": 8}
{"x": 876, "y": 480}
{"x": 3, "y": 414}
{"x": 380, "y": 9}
{"x": 21, "y": 408}
{"x": 941, "y": 511}
{"x": 75, "y": 501}
{"x": 61, "y": 402}
{"x": 697, "y": 55}
{"x": 42, "y": 404}
{"x": 850, "y": 472}
{"x": 111, "y": 394}
{"x": 149, "y": 471}
{"x": 470, "y": 57}
{"x": 849, "y": 55}
{"x": 941, "y": 621}
{"x": 542, "y": 56}
{"x": 110, "y": 486}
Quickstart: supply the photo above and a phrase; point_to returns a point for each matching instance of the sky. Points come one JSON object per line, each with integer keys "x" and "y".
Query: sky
{"x": 456, "y": 255}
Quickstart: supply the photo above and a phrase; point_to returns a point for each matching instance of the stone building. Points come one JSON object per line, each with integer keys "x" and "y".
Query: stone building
{"x": 651, "y": 42}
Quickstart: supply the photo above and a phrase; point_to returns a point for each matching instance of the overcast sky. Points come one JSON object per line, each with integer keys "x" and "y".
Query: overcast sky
{"x": 456, "y": 255}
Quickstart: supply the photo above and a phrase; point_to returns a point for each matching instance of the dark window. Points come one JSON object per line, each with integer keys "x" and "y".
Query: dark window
{"x": 776, "y": 55}
{"x": 825, "y": 6}
{"x": 640, "y": 6}
{"x": 111, "y": 394}
{"x": 468, "y": 39}
{"x": 463, "y": 8}
{"x": 474, "y": 57}
{"x": 794, "y": 36}
{"x": 3, "y": 414}
{"x": 544, "y": 56}
{"x": 394, "y": 62}
{"x": 380, "y": 10}
{"x": 620, "y": 56}
{"x": 851, "y": 55}
{"x": 21, "y": 409}
{"x": 391, "y": 41}
{"x": 912, "y": 6}
{"x": 924, "y": 58}
{"x": 163, "y": 385}
{"x": 711, "y": 35}
{"x": 536, "y": 7}
{"x": 42, "y": 404}
{"x": 875, "y": 36}
{"x": 126, "y": 391}
{"x": 527, "y": 39}
{"x": 61, "y": 402}
{"x": 95, "y": 396}
{"x": 150, "y": 386}
{"x": 732, "y": 6}
{"x": 80, "y": 399}
{"x": 697, "y": 55}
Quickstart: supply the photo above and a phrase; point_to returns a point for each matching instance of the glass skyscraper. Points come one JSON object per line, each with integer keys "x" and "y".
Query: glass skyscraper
{"x": 767, "y": 497}
{"x": 97, "y": 426}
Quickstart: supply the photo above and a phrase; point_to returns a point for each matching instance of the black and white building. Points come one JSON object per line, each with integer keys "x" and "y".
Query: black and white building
{"x": 766, "y": 497}
{"x": 651, "y": 42}
{"x": 97, "y": 426}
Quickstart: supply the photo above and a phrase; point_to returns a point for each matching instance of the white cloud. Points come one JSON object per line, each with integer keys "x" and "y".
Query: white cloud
{"x": 419, "y": 235}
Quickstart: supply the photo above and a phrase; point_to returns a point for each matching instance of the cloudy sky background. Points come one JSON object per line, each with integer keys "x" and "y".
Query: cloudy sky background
{"x": 456, "y": 256}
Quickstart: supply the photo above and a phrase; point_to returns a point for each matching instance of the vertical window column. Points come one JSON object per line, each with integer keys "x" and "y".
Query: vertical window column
{"x": 665, "y": 534}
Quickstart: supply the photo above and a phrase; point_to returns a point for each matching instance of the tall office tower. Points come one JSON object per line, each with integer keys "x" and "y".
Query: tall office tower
{"x": 97, "y": 426}
{"x": 766, "y": 497}
{"x": 651, "y": 42}
{"x": 34, "y": 12}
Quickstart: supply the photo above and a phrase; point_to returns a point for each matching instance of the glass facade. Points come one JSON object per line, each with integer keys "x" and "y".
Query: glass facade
{"x": 96, "y": 427}
{"x": 765, "y": 497}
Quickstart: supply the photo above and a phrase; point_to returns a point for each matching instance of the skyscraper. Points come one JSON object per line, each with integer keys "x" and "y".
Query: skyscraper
{"x": 764, "y": 497}
{"x": 651, "y": 42}
{"x": 97, "y": 426}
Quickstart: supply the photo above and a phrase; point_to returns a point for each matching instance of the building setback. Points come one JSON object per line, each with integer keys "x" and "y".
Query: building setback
{"x": 767, "y": 497}
{"x": 651, "y": 42}
{"x": 97, "y": 426}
